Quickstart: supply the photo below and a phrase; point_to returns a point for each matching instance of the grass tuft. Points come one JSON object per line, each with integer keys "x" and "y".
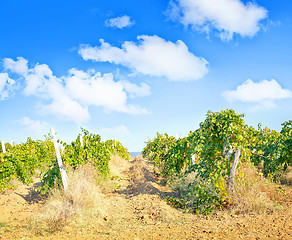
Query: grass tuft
{"x": 253, "y": 193}
{"x": 286, "y": 177}
{"x": 82, "y": 200}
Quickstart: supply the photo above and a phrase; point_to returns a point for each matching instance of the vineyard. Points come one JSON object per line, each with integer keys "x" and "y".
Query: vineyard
{"x": 223, "y": 169}
{"x": 213, "y": 152}
{"x": 24, "y": 160}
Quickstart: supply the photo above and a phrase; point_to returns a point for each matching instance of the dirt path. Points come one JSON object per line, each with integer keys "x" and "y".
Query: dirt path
{"x": 138, "y": 211}
{"x": 16, "y": 206}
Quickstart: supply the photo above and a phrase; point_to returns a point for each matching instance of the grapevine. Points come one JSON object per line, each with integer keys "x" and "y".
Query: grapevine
{"x": 24, "y": 160}
{"x": 212, "y": 148}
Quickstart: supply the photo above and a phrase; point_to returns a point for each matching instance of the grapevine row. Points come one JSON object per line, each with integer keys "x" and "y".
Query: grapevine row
{"x": 25, "y": 160}
{"x": 209, "y": 153}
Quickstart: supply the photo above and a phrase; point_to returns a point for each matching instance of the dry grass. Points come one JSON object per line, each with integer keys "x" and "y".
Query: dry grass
{"x": 286, "y": 178}
{"x": 80, "y": 202}
{"x": 117, "y": 177}
{"x": 255, "y": 194}
{"x": 85, "y": 198}
{"x": 117, "y": 165}
{"x": 90, "y": 197}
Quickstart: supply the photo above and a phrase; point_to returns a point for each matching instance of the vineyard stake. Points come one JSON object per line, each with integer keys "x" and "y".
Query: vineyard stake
{"x": 193, "y": 159}
{"x": 3, "y": 146}
{"x": 233, "y": 168}
{"x": 59, "y": 159}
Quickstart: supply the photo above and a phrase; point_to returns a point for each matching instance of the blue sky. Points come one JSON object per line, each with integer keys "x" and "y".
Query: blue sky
{"x": 128, "y": 69}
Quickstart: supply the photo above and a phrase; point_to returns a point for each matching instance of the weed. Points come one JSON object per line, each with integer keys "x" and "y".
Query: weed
{"x": 255, "y": 193}
{"x": 82, "y": 199}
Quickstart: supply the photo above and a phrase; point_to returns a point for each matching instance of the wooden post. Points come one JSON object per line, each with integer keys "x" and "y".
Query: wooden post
{"x": 60, "y": 163}
{"x": 3, "y": 146}
{"x": 11, "y": 142}
{"x": 233, "y": 168}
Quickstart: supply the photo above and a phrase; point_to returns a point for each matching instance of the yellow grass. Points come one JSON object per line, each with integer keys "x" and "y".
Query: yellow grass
{"x": 286, "y": 178}
{"x": 82, "y": 200}
{"x": 254, "y": 193}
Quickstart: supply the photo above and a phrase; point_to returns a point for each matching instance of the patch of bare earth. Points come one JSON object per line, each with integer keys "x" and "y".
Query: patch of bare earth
{"x": 137, "y": 210}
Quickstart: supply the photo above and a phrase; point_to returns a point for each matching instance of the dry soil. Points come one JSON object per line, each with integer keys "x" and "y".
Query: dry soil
{"x": 138, "y": 211}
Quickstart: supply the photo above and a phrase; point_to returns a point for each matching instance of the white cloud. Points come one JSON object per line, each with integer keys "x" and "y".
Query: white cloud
{"x": 152, "y": 56}
{"x": 6, "y": 86}
{"x": 66, "y": 108}
{"x": 264, "y": 93}
{"x": 40, "y": 81}
{"x": 119, "y": 22}
{"x": 93, "y": 89}
{"x": 136, "y": 91}
{"x": 70, "y": 96}
{"x": 228, "y": 17}
{"x": 19, "y": 66}
{"x": 34, "y": 125}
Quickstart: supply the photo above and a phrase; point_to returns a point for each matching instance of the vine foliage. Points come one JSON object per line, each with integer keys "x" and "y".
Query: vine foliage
{"x": 25, "y": 160}
{"x": 208, "y": 152}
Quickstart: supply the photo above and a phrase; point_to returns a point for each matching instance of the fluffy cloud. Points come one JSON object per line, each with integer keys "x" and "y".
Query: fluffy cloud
{"x": 264, "y": 93}
{"x": 19, "y": 66}
{"x": 70, "y": 96}
{"x": 135, "y": 90}
{"x": 228, "y": 17}
{"x": 41, "y": 82}
{"x": 152, "y": 56}
{"x": 6, "y": 86}
{"x": 66, "y": 108}
{"x": 34, "y": 125}
{"x": 119, "y": 22}
{"x": 93, "y": 89}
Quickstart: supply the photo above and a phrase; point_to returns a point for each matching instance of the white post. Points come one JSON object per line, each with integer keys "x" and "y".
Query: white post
{"x": 3, "y": 146}
{"x": 60, "y": 163}
{"x": 11, "y": 142}
{"x": 81, "y": 140}
{"x": 177, "y": 136}
{"x": 193, "y": 159}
